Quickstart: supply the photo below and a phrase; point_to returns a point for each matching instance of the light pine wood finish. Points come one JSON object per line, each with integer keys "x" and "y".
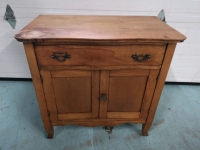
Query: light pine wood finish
{"x": 71, "y": 94}
{"x": 134, "y": 93}
{"x": 100, "y": 56}
{"x": 98, "y": 122}
{"x": 100, "y": 67}
{"x": 95, "y": 94}
{"x": 151, "y": 83}
{"x": 158, "y": 90}
{"x": 104, "y": 86}
{"x": 70, "y": 73}
{"x": 32, "y": 61}
{"x": 124, "y": 73}
{"x": 74, "y": 116}
{"x": 105, "y": 28}
{"x": 100, "y": 84}
{"x": 121, "y": 115}
{"x": 126, "y": 92}
{"x": 49, "y": 94}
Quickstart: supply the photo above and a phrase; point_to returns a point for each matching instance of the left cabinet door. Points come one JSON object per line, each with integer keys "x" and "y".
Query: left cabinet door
{"x": 71, "y": 94}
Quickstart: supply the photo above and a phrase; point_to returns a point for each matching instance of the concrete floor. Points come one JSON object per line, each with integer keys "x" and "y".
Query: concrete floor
{"x": 176, "y": 124}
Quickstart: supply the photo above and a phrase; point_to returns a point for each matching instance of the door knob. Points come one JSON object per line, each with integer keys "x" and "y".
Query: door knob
{"x": 103, "y": 97}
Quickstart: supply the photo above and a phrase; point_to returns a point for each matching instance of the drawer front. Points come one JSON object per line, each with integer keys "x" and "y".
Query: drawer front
{"x": 62, "y": 55}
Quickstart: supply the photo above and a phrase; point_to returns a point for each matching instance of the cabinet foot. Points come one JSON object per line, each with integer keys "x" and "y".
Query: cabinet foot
{"x": 145, "y": 128}
{"x": 145, "y": 134}
{"x": 50, "y": 136}
{"x": 49, "y": 129}
{"x": 50, "y": 133}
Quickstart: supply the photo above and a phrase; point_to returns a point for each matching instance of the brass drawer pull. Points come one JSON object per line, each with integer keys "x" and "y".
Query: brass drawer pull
{"x": 103, "y": 97}
{"x": 141, "y": 57}
{"x": 60, "y": 56}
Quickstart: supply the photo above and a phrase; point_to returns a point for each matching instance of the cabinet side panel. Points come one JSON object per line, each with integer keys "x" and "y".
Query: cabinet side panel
{"x": 29, "y": 49}
{"x": 30, "y": 53}
{"x": 159, "y": 86}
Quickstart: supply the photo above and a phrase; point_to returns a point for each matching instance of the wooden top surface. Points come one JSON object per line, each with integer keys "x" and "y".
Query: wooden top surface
{"x": 98, "y": 28}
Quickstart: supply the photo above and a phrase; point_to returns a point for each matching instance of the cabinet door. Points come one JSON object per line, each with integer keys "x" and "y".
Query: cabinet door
{"x": 126, "y": 93}
{"x": 71, "y": 94}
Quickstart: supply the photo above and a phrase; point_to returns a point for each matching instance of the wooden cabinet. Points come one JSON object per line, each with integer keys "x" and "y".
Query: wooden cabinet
{"x": 98, "y": 70}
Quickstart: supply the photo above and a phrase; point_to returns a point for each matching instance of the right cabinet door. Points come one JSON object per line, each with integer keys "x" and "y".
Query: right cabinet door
{"x": 126, "y": 94}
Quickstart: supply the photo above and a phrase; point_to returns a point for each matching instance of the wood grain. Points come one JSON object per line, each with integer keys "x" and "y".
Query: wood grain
{"x": 126, "y": 93}
{"x": 95, "y": 94}
{"x": 100, "y": 84}
{"x": 100, "y": 56}
{"x": 98, "y": 28}
{"x": 120, "y": 115}
{"x": 49, "y": 94}
{"x": 149, "y": 91}
{"x": 98, "y": 43}
{"x": 30, "y": 54}
{"x": 73, "y": 95}
{"x": 98, "y": 122}
{"x": 74, "y": 116}
{"x": 70, "y": 73}
{"x": 159, "y": 87}
{"x": 77, "y": 92}
{"x": 104, "y": 86}
{"x": 99, "y": 67}
{"x": 135, "y": 72}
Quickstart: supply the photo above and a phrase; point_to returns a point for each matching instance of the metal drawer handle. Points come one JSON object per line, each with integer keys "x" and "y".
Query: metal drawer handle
{"x": 141, "y": 57}
{"x": 60, "y": 56}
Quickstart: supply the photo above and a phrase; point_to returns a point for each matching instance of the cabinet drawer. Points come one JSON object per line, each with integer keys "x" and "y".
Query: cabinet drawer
{"x": 62, "y": 55}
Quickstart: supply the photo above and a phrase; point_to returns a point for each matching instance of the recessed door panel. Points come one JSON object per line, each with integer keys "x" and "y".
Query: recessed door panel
{"x": 126, "y": 93}
{"x": 74, "y": 93}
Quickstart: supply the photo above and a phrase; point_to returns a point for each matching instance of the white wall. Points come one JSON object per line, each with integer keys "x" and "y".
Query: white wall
{"x": 183, "y": 15}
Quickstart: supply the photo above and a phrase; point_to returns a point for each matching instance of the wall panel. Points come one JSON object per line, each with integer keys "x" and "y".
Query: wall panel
{"x": 183, "y": 15}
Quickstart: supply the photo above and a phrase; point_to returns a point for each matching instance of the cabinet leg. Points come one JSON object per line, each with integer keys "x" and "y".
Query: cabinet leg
{"x": 145, "y": 130}
{"x": 49, "y": 129}
{"x": 148, "y": 123}
{"x": 50, "y": 136}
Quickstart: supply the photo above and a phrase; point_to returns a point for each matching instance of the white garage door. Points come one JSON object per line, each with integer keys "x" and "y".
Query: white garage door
{"x": 183, "y": 15}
